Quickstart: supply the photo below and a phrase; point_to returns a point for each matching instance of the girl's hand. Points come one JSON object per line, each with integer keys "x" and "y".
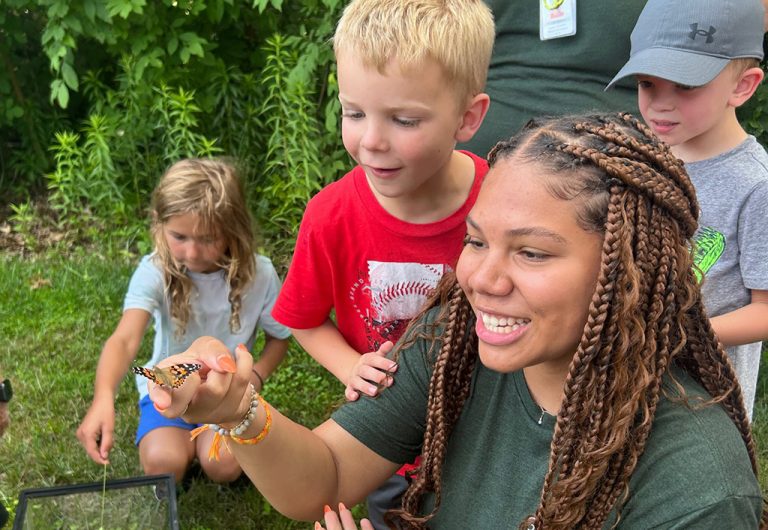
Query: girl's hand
{"x": 342, "y": 521}
{"x": 96, "y": 431}
{"x": 370, "y": 373}
{"x": 217, "y": 393}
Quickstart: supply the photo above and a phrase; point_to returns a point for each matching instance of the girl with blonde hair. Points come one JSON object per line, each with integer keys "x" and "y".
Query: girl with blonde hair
{"x": 203, "y": 278}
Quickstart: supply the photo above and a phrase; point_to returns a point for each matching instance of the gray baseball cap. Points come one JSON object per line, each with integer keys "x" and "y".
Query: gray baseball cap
{"x": 690, "y": 41}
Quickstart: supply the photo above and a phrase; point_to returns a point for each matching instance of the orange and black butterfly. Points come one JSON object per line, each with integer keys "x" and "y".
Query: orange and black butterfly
{"x": 172, "y": 376}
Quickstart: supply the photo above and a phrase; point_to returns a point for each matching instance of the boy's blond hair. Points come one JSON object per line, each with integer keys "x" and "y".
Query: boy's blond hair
{"x": 457, "y": 34}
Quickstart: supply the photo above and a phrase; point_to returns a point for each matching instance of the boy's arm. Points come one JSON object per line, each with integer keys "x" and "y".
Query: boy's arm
{"x": 744, "y": 325}
{"x": 271, "y": 356}
{"x": 359, "y": 373}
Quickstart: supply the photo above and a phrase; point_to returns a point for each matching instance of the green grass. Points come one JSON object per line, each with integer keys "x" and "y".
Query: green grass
{"x": 55, "y": 315}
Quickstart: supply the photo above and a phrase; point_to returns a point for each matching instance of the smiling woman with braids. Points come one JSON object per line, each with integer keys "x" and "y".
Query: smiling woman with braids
{"x": 601, "y": 397}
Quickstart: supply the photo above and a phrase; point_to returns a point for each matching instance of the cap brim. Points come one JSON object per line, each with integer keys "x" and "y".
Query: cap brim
{"x": 682, "y": 67}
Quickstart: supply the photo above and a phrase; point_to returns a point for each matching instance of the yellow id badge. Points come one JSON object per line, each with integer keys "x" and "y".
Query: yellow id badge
{"x": 557, "y": 18}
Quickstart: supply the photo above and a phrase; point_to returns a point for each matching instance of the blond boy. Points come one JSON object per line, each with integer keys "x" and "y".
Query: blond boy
{"x": 374, "y": 244}
{"x": 696, "y": 62}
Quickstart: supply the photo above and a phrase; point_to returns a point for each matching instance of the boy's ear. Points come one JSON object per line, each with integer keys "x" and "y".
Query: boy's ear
{"x": 473, "y": 116}
{"x": 746, "y": 85}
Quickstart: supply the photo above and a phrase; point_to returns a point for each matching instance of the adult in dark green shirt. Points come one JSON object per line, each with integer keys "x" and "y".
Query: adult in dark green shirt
{"x": 529, "y": 78}
{"x": 563, "y": 378}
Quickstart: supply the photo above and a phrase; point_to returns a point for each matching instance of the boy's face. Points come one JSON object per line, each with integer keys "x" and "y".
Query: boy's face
{"x": 399, "y": 126}
{"x": 690, "y": 116}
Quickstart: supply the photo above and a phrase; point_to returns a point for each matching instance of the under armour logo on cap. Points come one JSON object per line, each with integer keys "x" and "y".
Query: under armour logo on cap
{"x": 696, "y": 31}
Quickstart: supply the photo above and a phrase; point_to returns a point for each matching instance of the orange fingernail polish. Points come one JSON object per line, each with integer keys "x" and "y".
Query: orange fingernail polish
{"x": 326, "y": 509}
{"x": 226, "y": 362}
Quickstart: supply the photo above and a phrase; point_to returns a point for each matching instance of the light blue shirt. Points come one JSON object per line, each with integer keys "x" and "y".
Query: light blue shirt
{"x": 210, "y": 309}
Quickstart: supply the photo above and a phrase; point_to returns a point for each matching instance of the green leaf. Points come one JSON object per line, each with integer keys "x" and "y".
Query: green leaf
{"x": 14, "y": 112}
{"x": 173, "y": 45}
{"x": 63, "y": 96}
{"x": 69, "y": 75}
{"x": 90, "y": 9}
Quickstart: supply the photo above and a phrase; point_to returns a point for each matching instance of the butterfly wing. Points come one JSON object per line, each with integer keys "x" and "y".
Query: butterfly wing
{"x": 180, "y": 372}
{"x": 172, "y": 376}
{"x": 146, "y": 372}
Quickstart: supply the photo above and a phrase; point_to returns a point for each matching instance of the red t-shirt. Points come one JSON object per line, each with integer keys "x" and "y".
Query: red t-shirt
{"x": 375, "y": 270}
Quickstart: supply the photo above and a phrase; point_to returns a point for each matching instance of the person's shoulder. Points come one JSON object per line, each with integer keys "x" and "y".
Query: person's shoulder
{"x": 148, "y": 266}
{"x": 759, "y": 156}
{"x": 336, "y": 193}
{"x": 263, "y": 264}
{"x": 481, "y": 164}
{"x": 690, "y": 443}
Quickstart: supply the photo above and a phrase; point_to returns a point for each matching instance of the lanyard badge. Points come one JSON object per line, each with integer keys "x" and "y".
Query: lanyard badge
{"x": 557, "y": 18}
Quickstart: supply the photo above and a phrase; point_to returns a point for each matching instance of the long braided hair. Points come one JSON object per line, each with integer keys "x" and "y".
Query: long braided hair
{"x": 646, "y": 313}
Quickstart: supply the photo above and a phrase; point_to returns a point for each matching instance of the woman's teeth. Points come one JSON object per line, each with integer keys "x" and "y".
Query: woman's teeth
{"x": 502, "y": 324}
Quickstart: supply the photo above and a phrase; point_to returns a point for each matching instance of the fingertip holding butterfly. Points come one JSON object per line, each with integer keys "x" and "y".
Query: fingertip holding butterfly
{"x": 172, "y": 376}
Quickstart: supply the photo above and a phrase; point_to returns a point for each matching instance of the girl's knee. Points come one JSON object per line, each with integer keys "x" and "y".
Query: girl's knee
{"x": 223, "y": 471}
{"x": 157, "y": 459}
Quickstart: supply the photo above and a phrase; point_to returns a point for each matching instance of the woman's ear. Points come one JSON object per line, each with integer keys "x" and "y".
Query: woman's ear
{"x": 746, "y": 85}
{"x": 473, "y": 116}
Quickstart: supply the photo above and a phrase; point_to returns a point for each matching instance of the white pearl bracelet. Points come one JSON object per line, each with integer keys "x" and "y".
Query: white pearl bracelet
{"x": 241, "y": 427}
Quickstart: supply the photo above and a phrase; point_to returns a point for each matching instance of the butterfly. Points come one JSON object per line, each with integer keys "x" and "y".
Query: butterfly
{"x": 172, "y": 376}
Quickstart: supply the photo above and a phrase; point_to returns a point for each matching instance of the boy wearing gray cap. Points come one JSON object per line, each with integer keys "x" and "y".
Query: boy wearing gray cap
{"x": 695, "y": 62}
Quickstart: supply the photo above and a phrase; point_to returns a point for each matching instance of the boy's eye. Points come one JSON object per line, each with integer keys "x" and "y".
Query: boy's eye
{"x": 406, "y": 122}
{"x": 352, "y": 114}
{"x": 644, "y": 84}
{"x": 685, "y": 87}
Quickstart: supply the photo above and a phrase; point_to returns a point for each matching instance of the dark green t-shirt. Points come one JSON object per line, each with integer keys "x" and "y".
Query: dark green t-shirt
{"x": 529, "y": 77}
{"x": 694, "y": 473}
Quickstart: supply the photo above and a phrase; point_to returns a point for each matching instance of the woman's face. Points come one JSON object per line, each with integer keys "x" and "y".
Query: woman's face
{"x": 528, "y": 269}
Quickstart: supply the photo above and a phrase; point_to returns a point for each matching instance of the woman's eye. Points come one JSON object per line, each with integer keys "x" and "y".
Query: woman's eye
{"x": 472, "y": 241}
{"x": 533, "y": 255}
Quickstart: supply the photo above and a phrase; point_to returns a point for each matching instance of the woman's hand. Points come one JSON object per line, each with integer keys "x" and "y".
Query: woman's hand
{"x": 342, "y": 521}
{"x": 217, "y": 393}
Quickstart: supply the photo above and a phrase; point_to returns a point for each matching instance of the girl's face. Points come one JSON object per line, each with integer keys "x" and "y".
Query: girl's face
{"x": 197, "y": 251}
{"x": 528, "y": 269}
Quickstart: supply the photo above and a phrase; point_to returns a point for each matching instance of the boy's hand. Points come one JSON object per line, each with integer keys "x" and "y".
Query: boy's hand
{"x": 371, "y": 372}
{"x": 96, "y": 432}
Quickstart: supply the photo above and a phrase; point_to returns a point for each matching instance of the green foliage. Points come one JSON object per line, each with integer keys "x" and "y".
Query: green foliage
{"x": 131, "y": 86}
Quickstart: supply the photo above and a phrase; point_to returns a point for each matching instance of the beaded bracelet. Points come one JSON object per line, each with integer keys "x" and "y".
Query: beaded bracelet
{"x": 220, "y": 433}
